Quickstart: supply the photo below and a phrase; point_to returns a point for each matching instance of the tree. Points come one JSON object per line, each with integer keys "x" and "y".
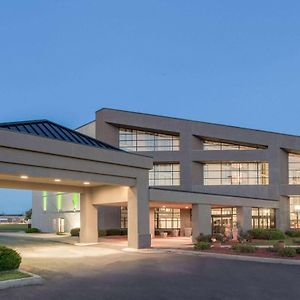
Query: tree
{"x": 28, "y": 214}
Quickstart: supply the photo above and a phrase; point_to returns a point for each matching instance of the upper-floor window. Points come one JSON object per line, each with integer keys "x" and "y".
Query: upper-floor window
{"x": 165, "y": 174}
{"x": 294, "y": 168}
{"x": 236, "y": 173}
{"x": 211, "y": 145}
{"x": 136, "y": 140}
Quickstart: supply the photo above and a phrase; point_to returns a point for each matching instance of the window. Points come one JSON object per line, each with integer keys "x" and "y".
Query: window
{"x": 295, "y": 212}
{"x": 263, "y": 218}
{"x": 136, "y": 140}
{"x": 211, "y": 145}
{"x": 237, "y": 173}
{"x": 294, "y": 169}
{"x": 164, "y": 174}
{"x": 167, "y": 218}
{"x": 124, "y": 218}
{"x": 222, "y": 218}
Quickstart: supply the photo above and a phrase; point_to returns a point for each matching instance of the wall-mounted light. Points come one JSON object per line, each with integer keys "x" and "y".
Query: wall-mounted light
{"x": 24, "y": 177}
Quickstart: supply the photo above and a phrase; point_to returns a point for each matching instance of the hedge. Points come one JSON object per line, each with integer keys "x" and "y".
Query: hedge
{"x": 267, "y": 234}
{"x": 101, "y": 232}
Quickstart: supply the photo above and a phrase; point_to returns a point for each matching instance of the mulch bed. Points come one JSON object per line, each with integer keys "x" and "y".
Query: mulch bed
{"x": 260, "y": 252}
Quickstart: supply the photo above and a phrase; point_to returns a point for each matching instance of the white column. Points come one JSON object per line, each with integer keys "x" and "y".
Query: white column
{"x": 201, "y": 219}
{"x": 88, "y": 219}
{"x": 138, "y": 215}
{"x": 244, "y": 217}
{"x": 152, "y": 222}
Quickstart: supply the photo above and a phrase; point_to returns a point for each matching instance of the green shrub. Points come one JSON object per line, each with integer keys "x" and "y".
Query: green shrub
{"x": 287, "y": 252}
{"x": 203, "y": 238}
{"x": 75, "y": 231}
{"x": 32, "y": 230}
{"x": 113, "y": 231}
{"x": 245, "y": 248}
{"x": 293, "y": 233}
{"x": 201, "y": 246}
{"x": 9, "y": 259}
{"x": 296, "y": 241}
{"x": 266, "y": 234}
{"x": 276, "y": 234}
{"x": 123, "y": 231}
{"x": 102, "y": 232}
{"x": 297, "y": 250}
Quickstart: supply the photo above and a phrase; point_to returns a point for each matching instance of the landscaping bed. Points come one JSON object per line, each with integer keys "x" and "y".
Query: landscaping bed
{"x": 274, "y": 244}
{"x": 259, "y": 252}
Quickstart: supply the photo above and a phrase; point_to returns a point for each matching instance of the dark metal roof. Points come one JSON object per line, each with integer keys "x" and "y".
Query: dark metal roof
{"x": 55, "y": 131}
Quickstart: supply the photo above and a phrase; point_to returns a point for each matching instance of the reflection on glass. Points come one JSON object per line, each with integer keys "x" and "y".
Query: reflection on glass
{"x": 214, "y": 145}
{"x": 164, "y": 175}
{"x": 136, "y": 140}
{"x": 250, "y": 173}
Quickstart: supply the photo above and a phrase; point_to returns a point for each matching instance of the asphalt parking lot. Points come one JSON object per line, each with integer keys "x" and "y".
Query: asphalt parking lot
{"x": 97, "y": 272}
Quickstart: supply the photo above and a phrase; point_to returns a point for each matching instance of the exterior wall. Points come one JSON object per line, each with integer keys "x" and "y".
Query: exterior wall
{"x": 191, "y": 156}
{"x": 46, "y": 221}
{"x": 88, "y": 129}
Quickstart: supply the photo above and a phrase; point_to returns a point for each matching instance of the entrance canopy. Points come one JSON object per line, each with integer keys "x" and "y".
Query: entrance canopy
{"x": 42, "y": 155}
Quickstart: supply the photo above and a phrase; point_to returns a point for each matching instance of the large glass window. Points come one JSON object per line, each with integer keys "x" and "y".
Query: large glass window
{"x": 164, "y": 174}
{"x": 213, "y": 145}
{"x": 167, "y": 218}
{"x": 263, "y": 218}
{"x": 223, "y": 217}
{"x": 237, "y": 173}
{"x": 136, "y": 140}
{"x": 295, "y": 212}
{"x": 294, "y": 169}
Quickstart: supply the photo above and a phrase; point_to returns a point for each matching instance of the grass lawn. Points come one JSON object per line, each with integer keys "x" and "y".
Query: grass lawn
{"x": 13, "y": 227}
{"x": 8, "y": 275}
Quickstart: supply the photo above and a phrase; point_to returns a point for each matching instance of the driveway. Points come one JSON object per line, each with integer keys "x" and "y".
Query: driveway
{"x": 99, "y": 272}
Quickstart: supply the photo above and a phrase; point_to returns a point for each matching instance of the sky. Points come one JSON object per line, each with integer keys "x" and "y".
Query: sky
{"x": 230, "y": 62}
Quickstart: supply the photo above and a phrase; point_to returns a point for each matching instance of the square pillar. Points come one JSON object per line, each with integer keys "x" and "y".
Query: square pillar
{"x": 152, "y": 222}
{"x": 185, "y": 220}
{"x": 138, "y": 215}
{"x": 201, "y": 219}
{"x": 283, "y": 214}
{"x": 88, "y": 219}
{"x": 244, "y": 218}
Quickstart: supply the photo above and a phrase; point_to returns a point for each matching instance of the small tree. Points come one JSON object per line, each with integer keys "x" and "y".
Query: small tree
{"x": 28, "y": 214}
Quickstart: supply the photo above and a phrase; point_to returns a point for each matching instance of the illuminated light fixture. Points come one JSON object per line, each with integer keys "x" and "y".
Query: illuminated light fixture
{"x": 86, "y": 183}
{"x": 24, "y": 177}
{"x": 163, "y": 206}
{"x": 57, "y": 180}
{"x": 186, "y": 207}
{"x": 297, "y": 207}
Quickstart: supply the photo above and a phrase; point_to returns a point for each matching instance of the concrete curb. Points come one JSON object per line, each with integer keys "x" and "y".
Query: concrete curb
{"x": 226, "y": 256}
{"x": 33, "y": 280}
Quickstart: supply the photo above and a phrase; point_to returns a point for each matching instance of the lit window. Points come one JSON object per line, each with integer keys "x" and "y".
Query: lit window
{"x": 263, "y": 218}
{"x": 294, "y": 169}
{"x": 211, "y": 145}
{"x": 136, "y": 140}
{"x": 167, "y": 218}
{"x": 237, "y": 173}
{"x": 295, "y": 212}
{"x": 164, "y": 175}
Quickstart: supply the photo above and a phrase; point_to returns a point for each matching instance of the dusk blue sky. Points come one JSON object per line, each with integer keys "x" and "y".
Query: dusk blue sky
{"x": 231, "y": 62}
